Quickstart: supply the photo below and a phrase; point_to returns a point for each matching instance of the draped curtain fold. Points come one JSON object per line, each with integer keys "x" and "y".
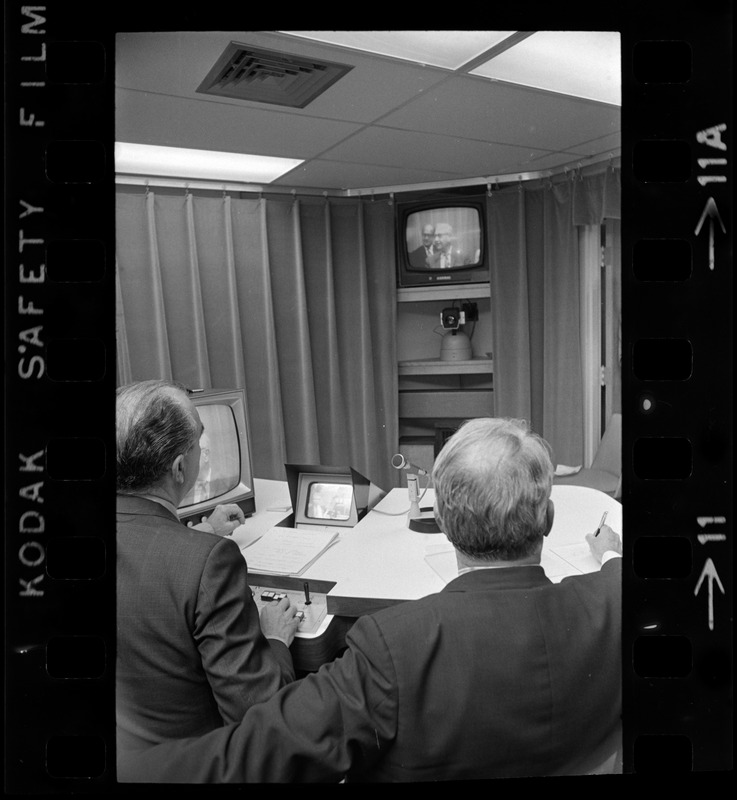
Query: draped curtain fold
{"x": 293, "y": 300}
{"x": 535, "y": 308}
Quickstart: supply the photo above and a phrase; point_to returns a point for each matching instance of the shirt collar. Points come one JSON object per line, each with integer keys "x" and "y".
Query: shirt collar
{"x": 494, "y": 566}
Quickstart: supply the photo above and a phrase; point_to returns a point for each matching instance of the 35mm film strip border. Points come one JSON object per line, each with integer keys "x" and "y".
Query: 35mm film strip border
{"x": 60, "y": 351}
{"x": 60, "y": 383}
{"x": 677, "y": 401}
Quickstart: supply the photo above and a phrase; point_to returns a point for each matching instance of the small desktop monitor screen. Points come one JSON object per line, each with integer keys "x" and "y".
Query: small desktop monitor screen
{"x": 220, "y": 458}
{"x": 329, "y": 501}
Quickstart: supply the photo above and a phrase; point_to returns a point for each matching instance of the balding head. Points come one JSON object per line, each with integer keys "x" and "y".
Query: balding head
{"x": 443, "y": 236}
{"x": 492, "y": 482}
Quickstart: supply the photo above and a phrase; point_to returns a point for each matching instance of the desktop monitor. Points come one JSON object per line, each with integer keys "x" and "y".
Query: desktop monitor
{"x": 226, "y": 473}
{"x": 328, "y": 496}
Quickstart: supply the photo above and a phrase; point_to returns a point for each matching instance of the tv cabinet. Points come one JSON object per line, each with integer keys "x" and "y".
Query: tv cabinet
{"x": 436, "y": 396}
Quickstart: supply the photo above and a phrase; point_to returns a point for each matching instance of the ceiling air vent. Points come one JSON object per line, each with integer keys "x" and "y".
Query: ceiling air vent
{"x": 269, "y": 76}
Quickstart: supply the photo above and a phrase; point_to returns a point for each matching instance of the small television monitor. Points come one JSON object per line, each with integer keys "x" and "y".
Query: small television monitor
{"x": 442, "y": 241}
{"x": 226, "y": 472}
{"x": 329, "y": 496}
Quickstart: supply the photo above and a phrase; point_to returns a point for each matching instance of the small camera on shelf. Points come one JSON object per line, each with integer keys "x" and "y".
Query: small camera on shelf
{"x": 452, "y": 318}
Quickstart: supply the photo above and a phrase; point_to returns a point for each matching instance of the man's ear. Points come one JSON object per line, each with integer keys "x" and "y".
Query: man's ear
{"x": 177, "y": 469}
{"x": 549, "y": 516}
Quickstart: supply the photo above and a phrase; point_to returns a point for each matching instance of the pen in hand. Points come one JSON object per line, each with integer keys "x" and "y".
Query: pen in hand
{"x": 603, "y": 520}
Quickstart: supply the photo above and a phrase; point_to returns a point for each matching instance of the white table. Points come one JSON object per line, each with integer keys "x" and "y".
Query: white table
{"x": 380, "y": 561}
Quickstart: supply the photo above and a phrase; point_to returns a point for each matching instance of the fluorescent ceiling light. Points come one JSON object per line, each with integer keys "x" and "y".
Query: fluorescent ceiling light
{"x": 449, "y": 49}
{"x": 181, "y": 162}
{"x": 579, "y": 63}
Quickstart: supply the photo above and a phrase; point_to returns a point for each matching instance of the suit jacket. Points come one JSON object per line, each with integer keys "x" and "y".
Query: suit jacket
{"x": 191, "y": 656}
{"x": 457, "y": 258}
{"x": 418, "y": 257}
{"x": 502, "y": 673}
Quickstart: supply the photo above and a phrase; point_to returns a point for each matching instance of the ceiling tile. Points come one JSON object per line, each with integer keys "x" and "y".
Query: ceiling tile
{"x": 451, "y": 157}
{"x": 332, "y": 174}
{"x": 478, "y": 109}
{"x": 211, "y": 125}
{"x": 449, "y": 49}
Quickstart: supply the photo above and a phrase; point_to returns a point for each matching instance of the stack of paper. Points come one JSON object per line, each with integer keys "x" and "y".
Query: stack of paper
{"x": 562, "y": 470}
{"x": 288, "y": 551}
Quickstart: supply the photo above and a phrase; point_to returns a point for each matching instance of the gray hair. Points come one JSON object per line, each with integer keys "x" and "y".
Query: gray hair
{"x": 152, "y": 427}
{"x": 492, "y": 482}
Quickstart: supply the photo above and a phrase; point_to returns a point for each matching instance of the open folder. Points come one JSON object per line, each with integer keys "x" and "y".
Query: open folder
{"x": 288, "y": 551}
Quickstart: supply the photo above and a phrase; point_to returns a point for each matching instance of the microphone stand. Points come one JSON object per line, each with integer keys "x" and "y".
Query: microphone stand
{"x": 414, "y": 496}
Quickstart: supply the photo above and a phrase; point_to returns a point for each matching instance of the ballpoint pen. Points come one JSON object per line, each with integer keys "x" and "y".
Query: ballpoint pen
{"x": 603, "y": 520}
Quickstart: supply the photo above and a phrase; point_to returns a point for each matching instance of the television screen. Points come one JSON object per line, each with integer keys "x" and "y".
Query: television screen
{"x": 219, "y": 455}
{"x": 441, "y": 242}
{"x": 225, "y": 474}
{"x": 329, "y": 500}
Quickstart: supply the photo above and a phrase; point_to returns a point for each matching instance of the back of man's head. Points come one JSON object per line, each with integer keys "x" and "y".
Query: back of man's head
{"x": 152, "y": 426}
{"x": 492, "y": 482}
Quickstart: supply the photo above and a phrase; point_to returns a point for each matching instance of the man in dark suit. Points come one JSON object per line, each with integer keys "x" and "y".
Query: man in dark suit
{"x": 500, "y": 674}
{"x": 444, "y": 253}
{"x": 191, "y": 653}
{"x": 419, "y": 256}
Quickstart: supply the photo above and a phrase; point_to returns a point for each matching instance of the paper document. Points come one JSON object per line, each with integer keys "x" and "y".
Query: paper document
{"x": 579, "y": 556}
{"x": 441, "y": 556}
{"x": 288, "y": 551}
{"x": 245, "y": 535}
{"x": 561, "y": 470}
{"x": 444, "y": 563}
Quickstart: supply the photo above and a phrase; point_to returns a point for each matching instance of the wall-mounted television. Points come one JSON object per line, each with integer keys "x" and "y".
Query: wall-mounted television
{"x": 226, "y": 472}
{"x": 442, "y": 240}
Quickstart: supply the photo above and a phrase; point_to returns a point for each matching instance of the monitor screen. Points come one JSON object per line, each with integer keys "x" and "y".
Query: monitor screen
{"x": 443, "y": 238}
{"x": 329, "y": 500}
{"x": 219, "y": 455}
{"x": 226, "y": 473}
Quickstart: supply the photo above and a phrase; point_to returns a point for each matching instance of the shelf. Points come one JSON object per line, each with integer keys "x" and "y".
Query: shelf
{"x": 441, "y": 404}
{"x": 434, "y": 366}
{"x": 463, "y": 291}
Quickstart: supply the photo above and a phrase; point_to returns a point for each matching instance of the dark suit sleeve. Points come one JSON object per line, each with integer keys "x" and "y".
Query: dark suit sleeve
{"x": 242, "y": 667}
{"x": 433, "y": 260}
{"x": 342, "y": 717}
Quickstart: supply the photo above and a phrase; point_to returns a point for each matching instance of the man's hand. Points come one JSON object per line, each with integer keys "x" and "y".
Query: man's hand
{"x": 278, "y": 621}
{"x": 225, "y": 519}
{"x": 606, "y": 540}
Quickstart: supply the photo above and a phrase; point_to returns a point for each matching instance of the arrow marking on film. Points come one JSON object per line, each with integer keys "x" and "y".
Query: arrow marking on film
{"x": 709, "y": 572}
{"x": 710, "y": 210}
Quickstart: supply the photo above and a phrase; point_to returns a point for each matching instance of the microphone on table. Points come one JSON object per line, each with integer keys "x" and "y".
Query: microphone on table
{"x": 400, "y": 462}
{"x": 419, "y": 519}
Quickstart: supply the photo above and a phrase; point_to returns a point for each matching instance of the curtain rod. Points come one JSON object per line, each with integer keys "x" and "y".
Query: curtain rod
{"x": 219, "y": 186}
{"x": 228, "y": 186}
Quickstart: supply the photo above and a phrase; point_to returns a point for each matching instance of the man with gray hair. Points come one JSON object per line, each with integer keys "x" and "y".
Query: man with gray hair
{"x": 501, "y": 674}
{"x": 192, "y": 655}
